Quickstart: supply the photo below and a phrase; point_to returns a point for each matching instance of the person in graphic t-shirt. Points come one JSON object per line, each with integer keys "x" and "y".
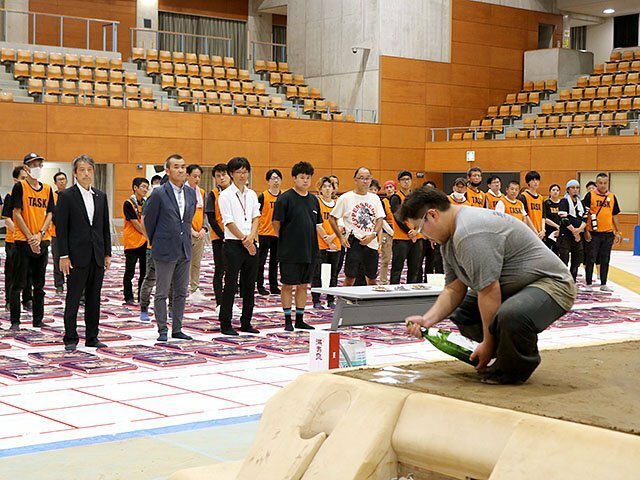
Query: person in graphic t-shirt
{"x": 362, "y": 214}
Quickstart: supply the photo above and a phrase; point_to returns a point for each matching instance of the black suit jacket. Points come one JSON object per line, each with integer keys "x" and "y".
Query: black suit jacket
{"x": 76, "y": 237}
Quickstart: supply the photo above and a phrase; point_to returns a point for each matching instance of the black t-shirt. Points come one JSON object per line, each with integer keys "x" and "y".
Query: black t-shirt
{"x": 7, "y": 207}
{"x": 298, "y": 217}
{"x": 17, "y": 193}
{"x": 586, "y": 201}
{"x": 551, "y": 213}
{"x": 574, "y": 221}
{"x": 210, "y": 210}
{"x": 129, "y": 211}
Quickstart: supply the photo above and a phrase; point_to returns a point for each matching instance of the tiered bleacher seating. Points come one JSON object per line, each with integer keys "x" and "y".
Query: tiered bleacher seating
{"x": 73, "y": 79}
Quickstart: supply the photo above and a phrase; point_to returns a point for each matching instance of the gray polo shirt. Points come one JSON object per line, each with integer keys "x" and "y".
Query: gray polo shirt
{"x": 488, "y": 246}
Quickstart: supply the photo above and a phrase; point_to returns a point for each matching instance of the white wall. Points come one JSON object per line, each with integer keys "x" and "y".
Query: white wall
{"x": 600, "y": 40}
{"x": 146, "y": 9}
{"x": 17, "y": 23}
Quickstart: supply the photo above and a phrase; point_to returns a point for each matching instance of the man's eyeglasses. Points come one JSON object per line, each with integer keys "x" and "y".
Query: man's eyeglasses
{"x": 364, "y": 179}
{"x": 423, "y": 220}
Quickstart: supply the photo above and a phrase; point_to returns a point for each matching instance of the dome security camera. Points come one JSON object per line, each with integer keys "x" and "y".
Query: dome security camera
{"x": 354, "y": 50}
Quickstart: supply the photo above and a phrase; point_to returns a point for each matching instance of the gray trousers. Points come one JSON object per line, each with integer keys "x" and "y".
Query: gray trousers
{"x": 148, "y": 283}
{"x": 168, "y": 273}
{"x": 515, "y": 327}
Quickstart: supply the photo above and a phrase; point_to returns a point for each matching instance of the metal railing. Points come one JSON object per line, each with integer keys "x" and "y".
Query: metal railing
{"x": 134, "y": 32}
{"x": 282, "y": 47}
{"x": 33, "y": 16}
{"x": 602, "y": 128}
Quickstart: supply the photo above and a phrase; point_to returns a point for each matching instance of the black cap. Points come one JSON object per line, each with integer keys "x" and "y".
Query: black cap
{"x": 404, "y": 173}
{"x": 30, "y": 157}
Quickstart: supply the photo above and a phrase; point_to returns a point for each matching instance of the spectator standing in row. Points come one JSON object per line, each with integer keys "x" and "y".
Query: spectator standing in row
{"x": 135, "y": 239}
{"x": 267, "y": 237}
{"x": 573, "y": 222}
{"x": 475, "y": 196}
{"x": 386, "y": 234}
{"x": 362, "y": 214}
{"x": 214, "y": 216}
{"x": 84, "y": 236}
{"x": 240, "y": 214}
{"x": 551, "y": 208}
{"x": 603, "y": 229}
{"x": 60, "y": 181}
{"x": 296, "y": 221}
{"x": 493, "y": 195}
{"x": 533, "y": 203}
{"x": 459, "y": 194}
{"x": 407, "y": 244}
{"x": 32, "y": 203}
{"x": 198, "y": 233}
{"x": 431, "y": 257}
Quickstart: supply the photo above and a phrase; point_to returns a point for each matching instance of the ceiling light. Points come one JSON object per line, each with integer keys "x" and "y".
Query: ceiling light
{"x": 608, "y": 11}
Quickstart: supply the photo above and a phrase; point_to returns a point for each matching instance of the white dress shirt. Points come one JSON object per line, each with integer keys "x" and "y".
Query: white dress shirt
{"x": 179, "y": 193}
{"x": 239, "y": 208}
{"x": 87, "y": 198}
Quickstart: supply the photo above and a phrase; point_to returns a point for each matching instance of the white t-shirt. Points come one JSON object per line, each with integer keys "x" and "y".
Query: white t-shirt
{"x": 359, "y": 214}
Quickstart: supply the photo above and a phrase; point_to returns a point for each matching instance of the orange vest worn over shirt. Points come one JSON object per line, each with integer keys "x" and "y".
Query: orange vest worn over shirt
{"x": 475, "y": 199}
{"x": 265, "y": 227}
{"x": 325, "y": 211}
{"x": 602, "y": 206}
{"x": 198, "y": 216}
{"x": 456, "y": 202}
{"x": 398, "y": 233}
{"x": 52, "y": 227}
{"x": 387, "y": 210}
{"x": 492, "y": 200}
{"x": 34, "y": 210}
{"x": 515, "y": 209}
{"x": 131, "y": 237}
{"x": 216, "y": 196}
{"x": 534, "y": 206}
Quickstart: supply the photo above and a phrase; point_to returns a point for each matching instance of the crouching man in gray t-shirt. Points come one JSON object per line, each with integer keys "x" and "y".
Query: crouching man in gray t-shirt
{"x": 502, "y": 284}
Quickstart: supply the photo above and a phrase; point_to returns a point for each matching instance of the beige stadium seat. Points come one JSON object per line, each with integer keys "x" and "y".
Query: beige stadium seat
{"x": 195, "y": 83}
{"x": 231, "y": 74}
{"x": 226, "y": 110}
{"x": 215, "y": 109}
{"x": 167, "y": 82}
{"x": 116, "y": 76}
{"x": 7, "y": 56}
{"x": 283, "y": 67}
{"x": 242, "y": 111}
{"x": 35, "y": 86}
{"x": 49, "y": 98}
{"x": 70, "y": 73}
{"x": 256, "y": 112}
{"x": 69, "y": 88}
{"x": 147, "y": 104}
{"x": 260, "y": 89}
{"x": 25, "y": 56}
{"x": 247, "y": 87}
{"x": 102, "y": 62}
{"x": 100, "y": 89}
{"x": 182, "y": 83}
{"x": 204, "y": 59}
{"x": 178, "y": 57}
{"x": 85, "y": 75}
{"x": 294, "y": 114}
{"x": 56, "y": 58}
{"x": 216, "y": 61}
{"x": 166, "y": 68}
{"x": 151, "y": 54}
{"x": 224, "y": 99}
{"x": 54, "y": 72}
{"x": 179, "y": 69}
{"x": 193, "y": 70}
{"x": 87, "y": 61}
{"x": 137, "y": 55}
{"x": 146, "y": 93}
{"x": 116, "y": 103}
{"x": 153, "y": 68}
{"x": 71, "y": 60}
{"x": 251, "y": 100}
{"x": 222, "y": 85}
{"x": 100, "y": 102}
{"x": 208, "y": 84}
{"x": 527, "y": 86}
{"x": 68, "y": 99}
{"x": 211, "y": 98}
{"x": 206, "y": 71}
{"x": 260, "y": 66}
{"x": 191, "y": 59}
{"x": 594, "y": 80}
{"x": 52, "y": 87}
{"x": 229, "y": 62}
{"x": 131, "y": 78}
{"x": 38, "y": 71}
{"x": 101, "y": 76}
{"x": 165, "y": 56}
{"x": 85, "y": 89}
{"x": 116, "y": 64}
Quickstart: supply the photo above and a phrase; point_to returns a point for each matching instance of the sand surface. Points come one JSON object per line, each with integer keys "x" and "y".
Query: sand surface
{"x": 595, "y": 385}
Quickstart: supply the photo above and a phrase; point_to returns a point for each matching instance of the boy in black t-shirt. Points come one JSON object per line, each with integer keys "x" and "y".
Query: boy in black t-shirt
{"x": 296, "y": 221}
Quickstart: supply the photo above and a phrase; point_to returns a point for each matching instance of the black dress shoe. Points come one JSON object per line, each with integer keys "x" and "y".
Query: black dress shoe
{"x": 288, "y": 326}
{"x": 249, "y": 329}
{"x": 263, "y": 291}
{"x": 162, "y": 337}
{"x": 95, "y": 344}
{"x": 182, "y": 336}
{"x": 71, "y": 347}
{"x": 39, "y": 324}
{"x": 229, "y": 331}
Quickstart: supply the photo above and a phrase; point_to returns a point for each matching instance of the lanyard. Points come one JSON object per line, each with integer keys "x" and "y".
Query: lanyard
{"x": 244, "y": 209}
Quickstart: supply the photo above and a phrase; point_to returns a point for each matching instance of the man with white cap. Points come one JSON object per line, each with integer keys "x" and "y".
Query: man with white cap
{"x": 573, "y": 221}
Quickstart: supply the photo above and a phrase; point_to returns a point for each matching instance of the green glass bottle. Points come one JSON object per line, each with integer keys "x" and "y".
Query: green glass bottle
{"x": 451, "y": 343}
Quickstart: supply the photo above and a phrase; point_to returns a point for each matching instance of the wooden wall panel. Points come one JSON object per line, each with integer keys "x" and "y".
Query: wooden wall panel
{"x": 221, "y": 151}
{"x": 23, "y": 117}
{"x": 295, "y": 131}
{"x": 102, "y": 148}
{"x": 402, "y": 91}
{"x": 354, "y": 157}
{"x": 86, "y": 121}
{"x": 402, "y": 137}
{"x": 230, "y": 127}
{"x": 15, "y": 145}
{"x": 287, "y": 154}
{"x": 234, "y": 10}
{"x": 402, "y": 158}
{"x": 395, "y": 68}
{"x": 164, "y": 124}
{"x": 367, "y": 135}
{"x": 409, "y": 114}
{"x": 154, "y": 150}
{"x": 549, "y": 155}
{"x": 123, "y": 175}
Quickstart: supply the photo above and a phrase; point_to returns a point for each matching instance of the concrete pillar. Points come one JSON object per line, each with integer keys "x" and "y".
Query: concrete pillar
{"x": 2, "y": 39}
{"x": 17, "y": 24}
{"x": 145, "y": 9}
{"x": 259, "y": 29}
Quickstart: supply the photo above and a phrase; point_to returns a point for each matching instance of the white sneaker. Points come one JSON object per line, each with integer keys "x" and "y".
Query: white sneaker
{"x": 606, "y": 288}
{"x": 237, "y": 310}
{"x": 588, "y": 288}
{"x": 197, "y": 297}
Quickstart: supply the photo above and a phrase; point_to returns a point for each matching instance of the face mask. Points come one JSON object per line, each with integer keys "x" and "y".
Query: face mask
{"x": 458, "y": 196}
{"x": 35, "y": 172}
{"x": 475, "y": 185}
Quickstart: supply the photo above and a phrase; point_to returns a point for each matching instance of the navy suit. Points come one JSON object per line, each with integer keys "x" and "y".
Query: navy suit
{"x": 170, "y": 241}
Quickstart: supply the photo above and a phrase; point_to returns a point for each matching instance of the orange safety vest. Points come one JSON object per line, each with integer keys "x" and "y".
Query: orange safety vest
{"x": 198, "y": 216}
{"x": 325, "y": 211}
{"x": 515, "y": 209}
{"x": 534, "y": 208}
{"x": 216, "y": 196}
{"x": 387, "y": 211}
{"x": 132, "y": 238}
{"x": 475, "y": 199}
{"x": 602, "y": 206}
{"x": 265, "y": 226}
{"x": 398, "y": 233}
{"x": 456, "y": 202}
{"x": 492, "y": 200}
{"x": 34, "y": 210}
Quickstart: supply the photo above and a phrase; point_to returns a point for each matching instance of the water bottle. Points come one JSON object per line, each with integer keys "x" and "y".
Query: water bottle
{"x": 451, "y": 343}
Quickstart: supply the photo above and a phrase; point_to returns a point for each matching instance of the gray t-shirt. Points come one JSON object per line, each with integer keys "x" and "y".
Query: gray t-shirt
{"x": 488, "y": 246}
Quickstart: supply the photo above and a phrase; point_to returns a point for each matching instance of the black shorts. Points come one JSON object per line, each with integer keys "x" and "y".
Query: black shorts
{"x": 360, "y": 255}
{"x": 296, "y": 273}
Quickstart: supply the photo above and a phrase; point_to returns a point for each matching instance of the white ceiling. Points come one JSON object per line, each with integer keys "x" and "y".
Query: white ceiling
{"x": 595, "y": 7}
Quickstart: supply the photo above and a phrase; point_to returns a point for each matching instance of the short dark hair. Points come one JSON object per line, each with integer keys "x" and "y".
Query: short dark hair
{"x": 554, "y": 185}
{"x": 20, "y": 168}
{"x": 324, "y": 180}
{"x": 138, "y": 181}
{"x": 220, "y": 167}
{"x": 355, "y": 174}
{"x": 429, "y": 183}
{"x": 513, "y": 182}
{"x": 404, "y": 173}
{"x": 270, "y": 173}
{"x": 302, "y": 168}
{"x": 192, "y": 167}
{"x": 591, "y": 183}
{"x": 58, "y": 174}
{"x": 601, "y": 175}
{"x": 173, "y": 156}
{"x": 473, "y": 169}
{"x": 421, "y": 200}
{"x": 492, "y": 178}
{"x": 375, "y": 183}
{"x": 156, "y": 178}
{"x": 532, "y": 175}
{"x": 83, "y": 159}
{"x": 236, "y": 163}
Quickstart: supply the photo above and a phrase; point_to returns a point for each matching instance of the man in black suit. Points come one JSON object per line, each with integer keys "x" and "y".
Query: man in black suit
{"x": 167, "y": 217}
{"x": 84, "y": 243}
